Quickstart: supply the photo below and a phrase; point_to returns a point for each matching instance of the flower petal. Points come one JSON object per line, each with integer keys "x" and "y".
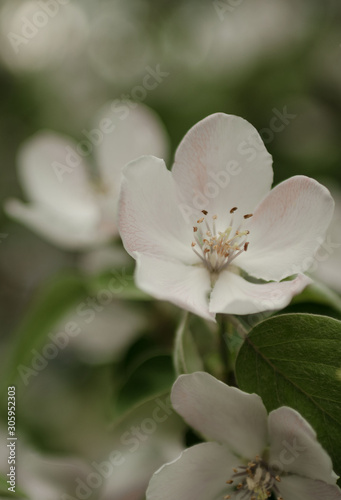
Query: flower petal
{"x": 294, "y": 447}
{"x": 54, "y": 175}
{"x": 222, "y": 413}
{"x": 199, "y": 473}
{"x": 55, "y": 227}
{"x": 287, "y": 228}
{"x": 300, "y": 488}
{"x": 234, "y": 295}
{"x": 124, "y": 132}
{"x": 185, "y": 286}
{"x": 222, "y": 163}
{"x": 150, "y": 221}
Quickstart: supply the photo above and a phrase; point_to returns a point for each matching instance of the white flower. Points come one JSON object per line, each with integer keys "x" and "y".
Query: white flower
{"x": 70, "y": 205}
{"x": 189, "y": 229}
{"x": 254, "y": 455}
{"x": 327, "y": 260}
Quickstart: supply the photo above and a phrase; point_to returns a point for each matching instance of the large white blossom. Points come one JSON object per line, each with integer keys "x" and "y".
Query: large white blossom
{"x": 197, "y": 231}
{"x": 251, "y": 454}
{"x": 71, "y": 204}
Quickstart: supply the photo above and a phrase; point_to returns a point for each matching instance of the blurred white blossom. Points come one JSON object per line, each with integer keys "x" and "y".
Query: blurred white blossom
{"x": 37, "y": 34}
{"x": 70, "y": 204}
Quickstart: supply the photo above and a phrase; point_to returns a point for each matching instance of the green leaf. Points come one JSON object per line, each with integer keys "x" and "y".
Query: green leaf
{"x": 152, "y": 376}
{"x": 295, "y": 360}
{"x": 186, "y": 355}
{"x": 52, "y": 301}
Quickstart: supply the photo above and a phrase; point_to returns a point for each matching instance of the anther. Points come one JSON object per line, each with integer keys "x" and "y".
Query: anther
{"x": 200, "y": 220}
{"x": 204, "y": 212}
{"x": 247, "y": 216}
{"x": 193, "y": 244}
{"x": 235, "y": 470}
{"x": 232, "y": 211}
{"x": 278, "y": 479}
{"x": 195, "y": 229}
{"x": 215, "y": 217}
{"x": 246, "y": 245}
{"x": 230, "y": 481}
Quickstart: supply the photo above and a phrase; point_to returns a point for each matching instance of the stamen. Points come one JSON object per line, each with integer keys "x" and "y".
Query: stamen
{"x": 218, "y": 249}
{"x": 256, "y": 482}
{"x": 247, "y": 216}
{"x": 214, "y": 228}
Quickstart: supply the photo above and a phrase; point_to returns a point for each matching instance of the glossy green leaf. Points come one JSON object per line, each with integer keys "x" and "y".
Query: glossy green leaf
{"x": 295, "y": 360}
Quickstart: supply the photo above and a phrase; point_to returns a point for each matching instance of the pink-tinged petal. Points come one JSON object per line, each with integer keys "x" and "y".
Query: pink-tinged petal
{"x": 300, "y": 488}
{"x": 150, "y": 221}
{"x": 124, "y": 132}
{"x": 54, "y": 175}
{"x": 234, "y": 295}
{"x": 185, "y": 286}
{"x": 287, "y": 228}
{"x": 222, "y": 413}
{"x": 294, "y": 447}
{"x": 222, "y": 163}
{"x": 200, "y": 473}
{"x": 56, "y": 228}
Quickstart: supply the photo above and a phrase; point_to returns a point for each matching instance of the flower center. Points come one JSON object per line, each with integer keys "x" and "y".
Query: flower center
{"x": 218, "y": 249}
{"x": 254, "y": 481}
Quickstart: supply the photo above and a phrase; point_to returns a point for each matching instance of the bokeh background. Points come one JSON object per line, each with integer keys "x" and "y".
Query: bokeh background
{"x": 254, "y": 58}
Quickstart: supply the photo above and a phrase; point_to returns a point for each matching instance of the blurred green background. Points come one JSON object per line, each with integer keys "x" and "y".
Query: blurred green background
{"x": 254, "y": 58}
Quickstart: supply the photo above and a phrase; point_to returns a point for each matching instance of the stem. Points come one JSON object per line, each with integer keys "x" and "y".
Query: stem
{"x": 238, "y": 325}
{"x": 225, "y": 352}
